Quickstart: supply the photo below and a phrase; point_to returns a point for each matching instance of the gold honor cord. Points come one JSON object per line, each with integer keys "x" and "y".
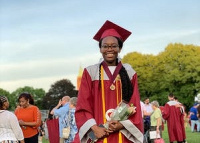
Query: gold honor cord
{"x": 103, "y": 102}
{"x": 103, "y": 99}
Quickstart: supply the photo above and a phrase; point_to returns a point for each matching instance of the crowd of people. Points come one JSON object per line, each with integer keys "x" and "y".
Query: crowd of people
{"x": 176, "y": 116}
{"x": 25, "y": 125}
{"x": 90, "y": 116}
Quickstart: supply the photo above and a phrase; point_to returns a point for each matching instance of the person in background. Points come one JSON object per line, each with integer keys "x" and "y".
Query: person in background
{"x": 198, "y": 115}
{"x": 148, "y": 111}
{"x": 174, "y": 115}
{"x": 148, "y": 106}
{"x": 194, "y": 118}
{"x": 50, "y": 116}
{"x": 186, "y": 119}
{"x": 61, "y": 110}
{"x": 156, "y": 119}
{"x": 146, "y": 123}
{"x": 41, "y": 131}
{"x": 10, "y": 131}
{"x": 70, "y": 120}
{"x": 46, "y": 134}
{"x": 176, "y": 99}
{"x": 144, "y": 110}
{"x": 29, "y": 117}
{"x": 103, "y": 87}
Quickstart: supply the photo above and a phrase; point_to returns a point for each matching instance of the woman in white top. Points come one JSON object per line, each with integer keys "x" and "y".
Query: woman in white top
{"x": 10, "y": 130}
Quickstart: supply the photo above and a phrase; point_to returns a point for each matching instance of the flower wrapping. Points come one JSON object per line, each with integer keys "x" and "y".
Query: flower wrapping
{"x": 120, "y": 113}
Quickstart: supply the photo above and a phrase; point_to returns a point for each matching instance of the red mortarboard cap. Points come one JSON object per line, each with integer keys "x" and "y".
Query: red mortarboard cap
{"x": 111, "y": 29}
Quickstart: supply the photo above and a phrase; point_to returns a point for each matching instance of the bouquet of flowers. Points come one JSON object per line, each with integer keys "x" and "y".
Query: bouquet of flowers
{"x": 120, "y": 113}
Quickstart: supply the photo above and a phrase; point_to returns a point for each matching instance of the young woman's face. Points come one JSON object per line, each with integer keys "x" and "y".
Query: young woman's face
{"x": 110, "y": 49}
{"x": 23, "y": 102}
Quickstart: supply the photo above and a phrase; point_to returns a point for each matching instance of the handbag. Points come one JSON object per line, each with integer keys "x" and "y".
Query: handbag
{"x": 65, "y": 132}
{"x": 154, "y": 135}
{"x": 160, "y": 140}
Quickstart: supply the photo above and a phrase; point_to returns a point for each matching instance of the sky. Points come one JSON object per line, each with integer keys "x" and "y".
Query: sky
{"x": 44, "y": 41}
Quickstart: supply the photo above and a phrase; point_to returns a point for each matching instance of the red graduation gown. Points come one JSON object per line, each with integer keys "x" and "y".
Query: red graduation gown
{"x": 175, "y": 121}
{"x": 89, "y": 104}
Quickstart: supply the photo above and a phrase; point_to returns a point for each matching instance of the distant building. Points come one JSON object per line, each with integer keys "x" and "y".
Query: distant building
{"x": 79, "y": 77}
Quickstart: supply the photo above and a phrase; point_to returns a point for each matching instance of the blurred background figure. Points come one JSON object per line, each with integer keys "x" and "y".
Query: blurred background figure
{"x": 194, "y": 118}
{"x": 29, "y": 117}
{"x": 156, "y": 119}
{"x": 186, "y": 119}
{"x": 148, "y": 106}
{"x": 41, "y": 131}
{"x": 71, "y": 120}
{"x": 46, "y": 134}
{"x": 173, "y": 113}
{"x": 60, "y": 110}
{"x": 198, "y": 115}
{"x": 10, "y": 130}
{"x": 147, "y": 112}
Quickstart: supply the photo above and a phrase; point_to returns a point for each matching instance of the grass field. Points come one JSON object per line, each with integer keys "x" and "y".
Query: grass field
{"x": 190, "y": 137}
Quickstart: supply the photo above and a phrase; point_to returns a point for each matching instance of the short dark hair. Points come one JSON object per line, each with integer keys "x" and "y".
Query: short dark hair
{"x": 146, "y": 98}
{"x": 171, "y": 95}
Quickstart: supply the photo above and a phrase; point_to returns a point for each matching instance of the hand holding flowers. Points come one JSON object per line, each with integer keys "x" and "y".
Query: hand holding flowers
{"x": 122, "y": 112}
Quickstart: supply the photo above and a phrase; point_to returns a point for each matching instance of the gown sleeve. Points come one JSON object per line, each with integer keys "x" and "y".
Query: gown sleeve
{"x": 165, "y": 113}
{"x": 84, "y": 108}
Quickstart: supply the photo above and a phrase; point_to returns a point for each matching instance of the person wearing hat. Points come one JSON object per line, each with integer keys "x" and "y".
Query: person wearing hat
{"x": 194, "y": 118}
{"x": 10, "y": 131}
{"x": 103, "y": 86}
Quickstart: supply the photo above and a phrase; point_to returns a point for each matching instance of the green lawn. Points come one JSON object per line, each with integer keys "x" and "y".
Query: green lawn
{"x": 190, "y": 137}
{"x": 45, "y": 141}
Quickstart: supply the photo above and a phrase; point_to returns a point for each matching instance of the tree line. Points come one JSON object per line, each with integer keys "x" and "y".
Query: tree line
{"x": 175, "y": 70}
{"x": 42, "y": 99}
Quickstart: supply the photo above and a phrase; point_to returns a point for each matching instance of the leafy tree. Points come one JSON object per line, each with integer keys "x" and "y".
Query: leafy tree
{"x": 177, "y": 70}
{"x": 145, "y": 68}
{"x": 180, "y": 71}
{"x": 37, "y": 94}
{"x": 57, "y": 91}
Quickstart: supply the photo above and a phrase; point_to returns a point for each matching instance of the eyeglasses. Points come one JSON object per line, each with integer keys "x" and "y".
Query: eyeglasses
{"x": 114, "y": 46}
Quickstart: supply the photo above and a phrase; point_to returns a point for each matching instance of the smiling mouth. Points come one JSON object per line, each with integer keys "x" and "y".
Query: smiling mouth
{"x": 109, "y": 55}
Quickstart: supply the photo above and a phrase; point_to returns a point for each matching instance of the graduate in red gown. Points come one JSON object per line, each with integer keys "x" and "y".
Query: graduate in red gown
{"x": 173, "y": 112}
{"x": 103, "y": 87}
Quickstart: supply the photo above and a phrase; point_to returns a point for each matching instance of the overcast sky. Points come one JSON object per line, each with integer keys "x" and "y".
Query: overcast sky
{"x": 43, "y": 41}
